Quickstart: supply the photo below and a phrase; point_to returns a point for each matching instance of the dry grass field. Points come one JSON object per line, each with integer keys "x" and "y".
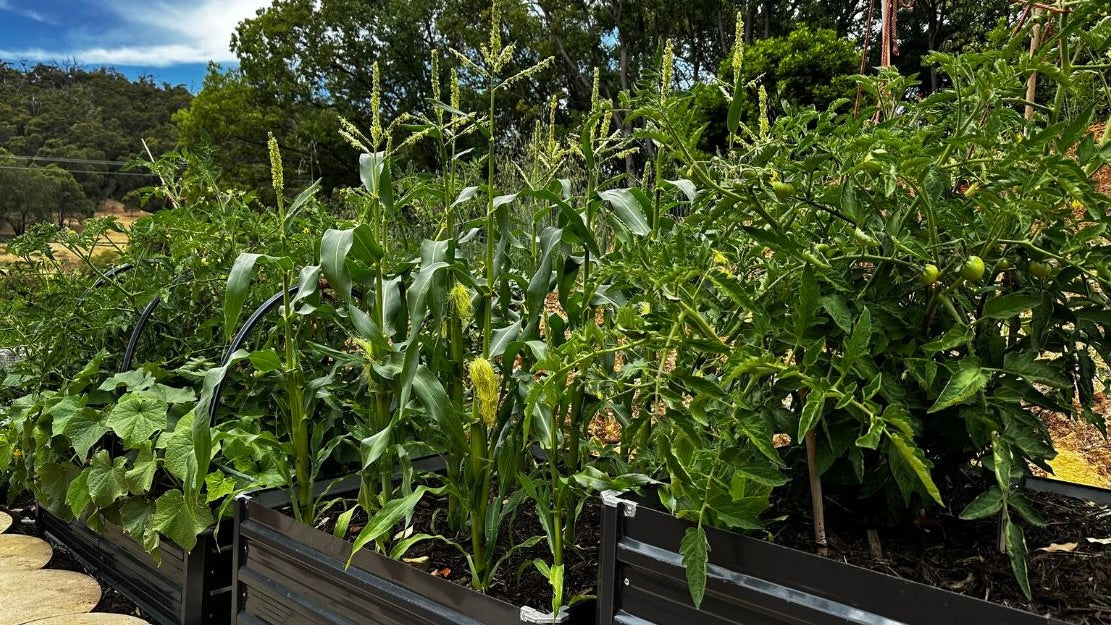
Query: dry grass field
{"x": 107, "y": 208}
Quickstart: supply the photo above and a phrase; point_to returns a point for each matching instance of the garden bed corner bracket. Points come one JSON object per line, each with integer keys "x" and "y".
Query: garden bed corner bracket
{"x": 614, "y": 499}
{"x": 532, "y": 615}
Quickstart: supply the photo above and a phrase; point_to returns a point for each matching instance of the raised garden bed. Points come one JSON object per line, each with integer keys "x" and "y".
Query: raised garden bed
{"x": 186, "y": 588}
{"x": 756, "y": 581}
{"x": 287, "y": 572}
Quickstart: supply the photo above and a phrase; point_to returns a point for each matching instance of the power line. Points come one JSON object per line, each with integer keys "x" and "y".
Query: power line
{"x": 62, "y": 160}
{"x": 80, "y": 171}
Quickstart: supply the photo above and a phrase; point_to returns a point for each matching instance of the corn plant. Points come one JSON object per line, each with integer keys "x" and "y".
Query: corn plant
{"x": 296, "y": 421}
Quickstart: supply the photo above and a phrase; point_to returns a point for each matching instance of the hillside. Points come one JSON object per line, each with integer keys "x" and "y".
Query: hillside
{"x": 65, "y": 133}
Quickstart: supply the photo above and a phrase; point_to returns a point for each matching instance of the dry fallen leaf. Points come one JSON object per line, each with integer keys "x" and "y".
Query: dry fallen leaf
{"x": 1100, "y": 541}
{"x": 420, "y": 560}
{"x": 1054, "y": 547}
{"x": 444, "y": 572}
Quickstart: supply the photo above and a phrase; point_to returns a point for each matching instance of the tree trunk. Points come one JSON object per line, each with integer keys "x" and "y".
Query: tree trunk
{"x": 623, "y": 75}
{"x": 750, "y": 17}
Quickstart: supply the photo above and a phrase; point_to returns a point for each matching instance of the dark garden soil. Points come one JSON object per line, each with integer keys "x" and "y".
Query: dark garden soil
{"x": 1071, "y": 581}
{"x": 110, "y": 600}
{"x": 517, "y": 581}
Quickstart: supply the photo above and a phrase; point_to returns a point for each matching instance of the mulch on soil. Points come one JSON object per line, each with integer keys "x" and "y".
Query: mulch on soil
{"x": 1072, "y": 583}
{"x": 517, "y": 581}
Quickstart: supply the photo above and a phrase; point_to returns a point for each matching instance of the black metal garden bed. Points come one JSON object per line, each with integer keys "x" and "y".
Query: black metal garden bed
{"x": 755, "y": 582}
{"x": 288, "y": 573}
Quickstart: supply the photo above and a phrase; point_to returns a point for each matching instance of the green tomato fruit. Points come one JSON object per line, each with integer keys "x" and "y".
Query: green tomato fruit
{"x": 821, "y": 248}
{"x": 973, "y": 268}
{"x": 930, "y": 274}
{"x": 1040, "y": 270}
{"x": 1004, "y": 264}
{"x": 783, "y": 190}
{"x": 864, "y": 239}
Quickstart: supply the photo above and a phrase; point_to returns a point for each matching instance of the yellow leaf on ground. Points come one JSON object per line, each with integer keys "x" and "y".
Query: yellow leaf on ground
{"x": 1055, "y": 547}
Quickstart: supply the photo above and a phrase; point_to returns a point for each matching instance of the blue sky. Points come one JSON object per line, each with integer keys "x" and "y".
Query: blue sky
{"x": 171, "y": 40}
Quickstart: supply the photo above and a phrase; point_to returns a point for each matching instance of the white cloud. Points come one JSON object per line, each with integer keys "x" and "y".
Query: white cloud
{"x": 155, "y": 33}
{"x": 6, "y": 6}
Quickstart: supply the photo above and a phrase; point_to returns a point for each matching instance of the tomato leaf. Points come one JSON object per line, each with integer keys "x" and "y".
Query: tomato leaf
{"x": 966, "y": 382}
{"x": 811, "y": 412}
{"x": 986, "y": 504}
{"x": 695, "y": 550}
{"x": 1016, "y": 551}
{"x": 913, "y": 458}
{"x": 1007, "y": 306}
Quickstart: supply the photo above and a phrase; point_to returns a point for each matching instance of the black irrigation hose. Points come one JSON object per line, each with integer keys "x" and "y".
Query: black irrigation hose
{"x": 136, "y": 332}
{"x": 242, "y": 335}
{"x": 112, "y": 273}
{"x": 237, "y": 341}
{"x": 141, "y": 324}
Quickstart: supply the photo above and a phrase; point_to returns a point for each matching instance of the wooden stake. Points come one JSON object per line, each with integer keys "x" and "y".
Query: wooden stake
{"x": 816, "y": 503}
{"x": 1032, "y": 82}
{"x": 864, "y": 55}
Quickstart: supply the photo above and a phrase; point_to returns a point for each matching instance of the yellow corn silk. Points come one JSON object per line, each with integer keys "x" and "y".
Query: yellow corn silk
{"x": 485, "y": 382}
{"x": 1071, "y": 466}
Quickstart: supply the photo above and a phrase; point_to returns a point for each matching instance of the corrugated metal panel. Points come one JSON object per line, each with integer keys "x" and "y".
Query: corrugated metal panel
{"x": 186, "y": 589}
{"x": 754, "y": 582}
{"x": 1070, "y": 489}
{"x": 288, "y": 573}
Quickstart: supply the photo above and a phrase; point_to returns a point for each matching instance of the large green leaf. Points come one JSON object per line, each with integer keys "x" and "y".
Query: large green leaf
{"x": 838, "y": 311}
{"x": 760, "y": 473}
{"x": 239, "y": 283}
{"x": 346, "y": 255}
{"x": 986, "y": 504}
{"x": 733, "y": 116}
{"x": 372, "y": 447}
{"x": 695, "y": 551}
{"x": 107, "y": 479}
{"x": 431, "y": 394}
{"x": 1026, "y": 365}
{"x": 628, "y": 209}
{"x": 141, "y": 475}
{"x": 137, "y": 416}
{"x": 1007, "y": 306}
{"x": 181, "y": 519}
{"x": 756, "y": 429}
{"x": 179, "y": 456}
{"x": 858, "y": 340}
{"x": 1020, "y": 503}
{"x": 53, "y": 481}
{"x": 903, "y": 450}
{"x": 811, "y": 412}
{"x": 966, "y": 382}
{"x": 84, "y": 429}
{"x": 374, "y": 170}
{"x": 217, "y": 486}
{"x": 1016, "y": 551}
{"x": 959, "y": 334}
{"x": 77, "y": 495}
{"x": 135, "y": 514}
{"x": 63, "y": 411}
{"x": 384, "y": 520}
